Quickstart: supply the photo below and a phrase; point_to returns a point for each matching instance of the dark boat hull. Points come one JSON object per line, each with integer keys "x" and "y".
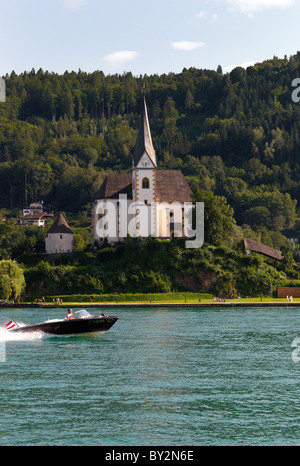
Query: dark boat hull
{"x": 77, "y": 326}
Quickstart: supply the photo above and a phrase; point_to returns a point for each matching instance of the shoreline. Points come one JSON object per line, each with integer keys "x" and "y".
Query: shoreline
{"x": 229, "y": 304}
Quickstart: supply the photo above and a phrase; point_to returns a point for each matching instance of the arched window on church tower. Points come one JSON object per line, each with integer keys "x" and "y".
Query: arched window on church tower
{"x": 145, "y": 183}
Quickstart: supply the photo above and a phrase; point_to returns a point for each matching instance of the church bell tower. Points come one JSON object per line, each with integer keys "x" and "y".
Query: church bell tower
{"x": 144, "y": 168}
{"x": 144, "y": 162}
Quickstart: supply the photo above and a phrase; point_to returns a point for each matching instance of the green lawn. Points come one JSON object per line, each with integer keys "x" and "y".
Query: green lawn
{"x": 176, "y": 298}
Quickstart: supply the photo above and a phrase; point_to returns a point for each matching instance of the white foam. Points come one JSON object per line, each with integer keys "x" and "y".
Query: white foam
{"x": 7, "y": 335}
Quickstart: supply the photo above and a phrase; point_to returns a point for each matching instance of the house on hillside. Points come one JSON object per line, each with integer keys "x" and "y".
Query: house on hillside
{"x": 37, "y": 214}
{"x": 60, "y": 237}
{"x": 38, "y": 219}
{"x": 38, "y": 207}
{"x": 146, "y": 202}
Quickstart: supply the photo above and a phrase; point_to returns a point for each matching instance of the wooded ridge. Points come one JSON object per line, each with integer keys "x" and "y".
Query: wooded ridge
{"x": 234, "y": 136}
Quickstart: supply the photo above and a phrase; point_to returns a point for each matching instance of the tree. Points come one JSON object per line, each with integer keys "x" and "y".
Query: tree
{"x": 6, "y": 232}
{"x": 78, "y": 242}
{"x": 288, "y": 260}
{"x": 189, "y": 100}
{"x": 218, "y": 217}
{"x": 12, "y": 281}
{"x": 257, "y": 216}
{"x": 170, "y": 113}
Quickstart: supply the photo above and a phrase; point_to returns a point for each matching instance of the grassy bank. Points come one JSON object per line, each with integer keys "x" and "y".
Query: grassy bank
{"x": 159, "y": 298}
{"x": 132, "y": 297}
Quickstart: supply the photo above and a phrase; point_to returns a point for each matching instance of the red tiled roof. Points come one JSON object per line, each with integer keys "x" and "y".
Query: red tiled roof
{"x": 37, "y": 216}
{"x": 251, "y": 245}
{"x": 114, "y": 185}
{"x": 171, "y": 186}
{"x": 60, "y": 226}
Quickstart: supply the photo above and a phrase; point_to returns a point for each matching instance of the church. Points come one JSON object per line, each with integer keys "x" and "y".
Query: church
{"x": 147, "y": 202}
{"x": 59, "y": 239}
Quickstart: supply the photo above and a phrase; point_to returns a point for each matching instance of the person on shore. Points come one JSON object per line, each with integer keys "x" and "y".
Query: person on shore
{"x": 69, "y": 315}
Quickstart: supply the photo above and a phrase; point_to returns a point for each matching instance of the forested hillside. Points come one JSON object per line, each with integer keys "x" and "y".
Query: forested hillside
{"x": 235, "y": 134}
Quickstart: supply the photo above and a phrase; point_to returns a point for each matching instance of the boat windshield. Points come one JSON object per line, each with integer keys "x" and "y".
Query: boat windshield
{"x": 82, "y": 314}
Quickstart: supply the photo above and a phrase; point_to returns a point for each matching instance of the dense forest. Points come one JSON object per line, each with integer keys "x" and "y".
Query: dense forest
{"x": 235, "y": 135}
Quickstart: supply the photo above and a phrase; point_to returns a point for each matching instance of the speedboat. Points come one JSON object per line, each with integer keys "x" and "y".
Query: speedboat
{"x": 82, "y": 323}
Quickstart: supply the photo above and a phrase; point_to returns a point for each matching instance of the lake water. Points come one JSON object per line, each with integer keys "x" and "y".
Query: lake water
{"x": 166, "y": 377}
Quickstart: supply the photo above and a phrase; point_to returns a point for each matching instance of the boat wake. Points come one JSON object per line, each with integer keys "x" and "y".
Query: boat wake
{"x": 6, "y": 335}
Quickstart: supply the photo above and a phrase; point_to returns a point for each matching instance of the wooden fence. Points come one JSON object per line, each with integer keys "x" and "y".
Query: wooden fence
{"x": 283, "y": 292}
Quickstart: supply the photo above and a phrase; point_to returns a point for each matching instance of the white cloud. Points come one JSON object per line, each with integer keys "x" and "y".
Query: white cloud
{"x": 205, "y": 14}
{"x": 186, "y": 45}
{"x": 119, "y": 58}
{"x": 74, "y": 4}
{"x": 250, "y": 7}
{"x": 201, "y": 15}
{"x": 244, "y": 65}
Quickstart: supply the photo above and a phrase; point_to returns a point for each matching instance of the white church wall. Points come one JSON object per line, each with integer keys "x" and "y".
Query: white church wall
{"x": 59, "y": 243}
{"x": 144, "y": 194}
{"x": 110, "y": 219}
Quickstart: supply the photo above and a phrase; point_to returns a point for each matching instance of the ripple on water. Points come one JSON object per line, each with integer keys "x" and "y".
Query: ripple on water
{"x": 163, "y": 377}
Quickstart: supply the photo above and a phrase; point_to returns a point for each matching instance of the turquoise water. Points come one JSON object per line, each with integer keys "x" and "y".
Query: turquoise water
{"x": 158, "y": 377}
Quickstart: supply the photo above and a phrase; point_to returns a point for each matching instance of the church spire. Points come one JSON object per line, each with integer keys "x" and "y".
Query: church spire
{"x": 144, "y": 140}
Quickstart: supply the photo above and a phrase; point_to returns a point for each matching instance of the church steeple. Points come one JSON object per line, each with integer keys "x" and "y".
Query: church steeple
{"x": 144, "y": 140}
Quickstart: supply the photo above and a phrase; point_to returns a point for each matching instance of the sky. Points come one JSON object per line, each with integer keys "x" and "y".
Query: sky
{"x": 144, "y": 36}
